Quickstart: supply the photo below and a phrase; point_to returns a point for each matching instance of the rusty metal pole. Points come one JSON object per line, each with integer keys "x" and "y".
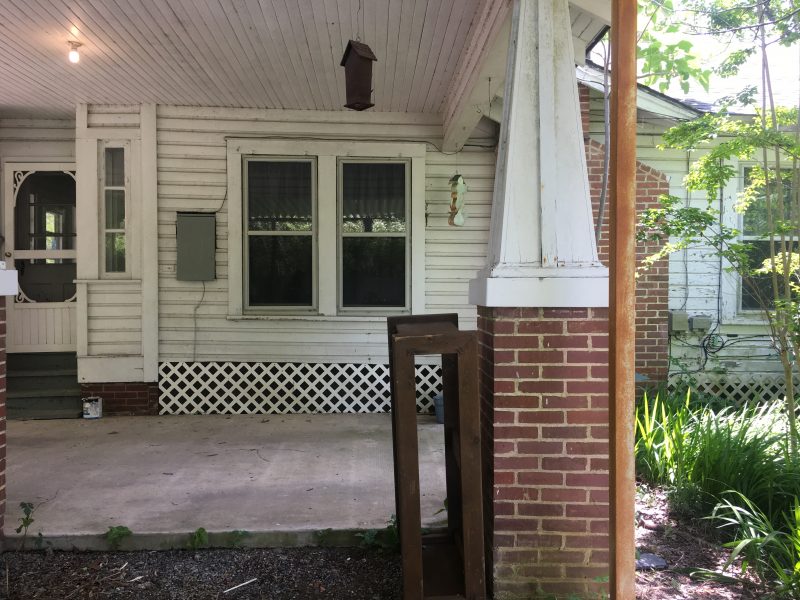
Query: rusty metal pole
{"x": 622, "y": 299}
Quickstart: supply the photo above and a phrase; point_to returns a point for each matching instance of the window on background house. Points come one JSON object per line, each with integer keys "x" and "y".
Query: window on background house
{"x": 115, "y": 196}
{"x": 374, "y": 241}
{"x": 280, "y": 222}
{"x": 757, "y": 291}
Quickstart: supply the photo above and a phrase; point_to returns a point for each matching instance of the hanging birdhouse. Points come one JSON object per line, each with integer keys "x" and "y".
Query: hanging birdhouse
{"x": 357, "y": 63}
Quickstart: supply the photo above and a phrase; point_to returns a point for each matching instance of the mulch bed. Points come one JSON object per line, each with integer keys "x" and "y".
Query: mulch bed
{"x": 690, "y": 549}
{"x": 282, "y": 574}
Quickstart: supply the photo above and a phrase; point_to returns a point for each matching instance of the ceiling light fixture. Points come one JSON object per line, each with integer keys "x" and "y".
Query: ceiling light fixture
{"x": 74, "y": 56}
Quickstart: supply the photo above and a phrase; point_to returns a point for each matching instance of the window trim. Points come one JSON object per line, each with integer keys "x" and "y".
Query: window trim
{"x": 277, "y": 309}
{"x": 326, "y": 153}
{"x": 340, "y": 235}
{"x": 126, "y": 149}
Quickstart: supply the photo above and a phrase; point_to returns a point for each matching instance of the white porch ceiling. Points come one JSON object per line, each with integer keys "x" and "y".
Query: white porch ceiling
{"x": 244, "y": 53}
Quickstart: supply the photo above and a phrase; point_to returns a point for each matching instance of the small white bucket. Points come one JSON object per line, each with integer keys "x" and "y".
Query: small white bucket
{"x": 92, "y": 407}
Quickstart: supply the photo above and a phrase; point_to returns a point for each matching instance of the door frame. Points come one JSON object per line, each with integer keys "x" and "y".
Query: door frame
{"x": 14, "y": 308}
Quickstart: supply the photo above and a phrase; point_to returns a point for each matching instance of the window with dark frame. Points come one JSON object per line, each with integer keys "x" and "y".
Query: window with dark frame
{"x": 114, "y": 208}
{"x": 757, "y": 291}
{"x": 280, "y": 226}
{"x": 373, "y": 226}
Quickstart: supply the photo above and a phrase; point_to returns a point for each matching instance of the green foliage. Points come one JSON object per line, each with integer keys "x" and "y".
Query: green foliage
{"x": 197, "y": 539}
{"x": 385, "y": 540}
{"x": 25, "y": 521}
{"x": 237, "y": 536}
{"x": 663, "y": 56}
{"x": 116, "y": 534}
{"x": 733, "y": 466}
{"x": 323, "y": 537}
{"x": 770, "y": 548}
{"x": 701, "y": 453}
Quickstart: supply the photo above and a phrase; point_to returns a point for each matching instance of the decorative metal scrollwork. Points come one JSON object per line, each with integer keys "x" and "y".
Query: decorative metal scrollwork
{"x": 23, "y": 298}
{"x": 19, "y": 177}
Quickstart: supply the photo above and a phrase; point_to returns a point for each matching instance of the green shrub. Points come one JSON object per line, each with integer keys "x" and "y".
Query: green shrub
{"x": 773, "y": 552}
{"x": 700, "y": 453}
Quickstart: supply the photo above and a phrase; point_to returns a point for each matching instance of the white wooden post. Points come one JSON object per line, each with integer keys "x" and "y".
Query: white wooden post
{"x": 542, "y": 250}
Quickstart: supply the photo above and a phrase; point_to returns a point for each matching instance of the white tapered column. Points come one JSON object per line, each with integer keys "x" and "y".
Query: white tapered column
{"x": 542, "y": 250}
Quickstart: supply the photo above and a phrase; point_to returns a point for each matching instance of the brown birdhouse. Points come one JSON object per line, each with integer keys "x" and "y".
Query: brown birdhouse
{"x": 357, "y": 63}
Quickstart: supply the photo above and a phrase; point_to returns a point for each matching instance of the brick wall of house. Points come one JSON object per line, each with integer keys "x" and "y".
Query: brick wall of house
{"x": 544, "y": 397}
{"x": 124, "y": 398}
{"x": 652, "y": 287}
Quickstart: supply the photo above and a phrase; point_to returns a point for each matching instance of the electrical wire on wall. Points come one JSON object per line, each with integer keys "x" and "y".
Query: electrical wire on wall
{"x": 194, "y": 322}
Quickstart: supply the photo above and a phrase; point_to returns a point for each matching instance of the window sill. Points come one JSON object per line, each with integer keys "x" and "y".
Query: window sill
{"x": 338, "y": 318}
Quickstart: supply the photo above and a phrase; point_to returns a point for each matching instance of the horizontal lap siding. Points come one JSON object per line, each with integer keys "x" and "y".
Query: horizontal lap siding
{"x": 114, "y": 306}
{"x": 115, "y": 318}
{"x": 192, "y": 176}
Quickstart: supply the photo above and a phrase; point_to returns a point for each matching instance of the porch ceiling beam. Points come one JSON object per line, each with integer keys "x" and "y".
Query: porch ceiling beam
{"x": 483, "y": 62}
{"x": 601, "y": 9}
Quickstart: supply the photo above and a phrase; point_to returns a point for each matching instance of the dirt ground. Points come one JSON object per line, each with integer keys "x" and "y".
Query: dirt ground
{"x": 689, "y": 550}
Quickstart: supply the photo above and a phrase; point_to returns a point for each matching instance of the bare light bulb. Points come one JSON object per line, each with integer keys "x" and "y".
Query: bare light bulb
{"x": 74, "y": 56}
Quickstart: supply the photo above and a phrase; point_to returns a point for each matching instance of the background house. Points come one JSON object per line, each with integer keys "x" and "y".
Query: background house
{"x": 716, "y": 339}
{"x": 224, "y": 122}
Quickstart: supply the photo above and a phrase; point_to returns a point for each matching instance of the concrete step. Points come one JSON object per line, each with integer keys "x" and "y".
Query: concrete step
{"x": 30, "y": 381}
{"x": 41, "y": 361}
{"x": 43, "y": 385}
{"x": 54, "y": 405}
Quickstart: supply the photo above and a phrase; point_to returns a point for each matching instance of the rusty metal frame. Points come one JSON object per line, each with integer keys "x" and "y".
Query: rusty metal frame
{"x": 447, "y": 566}
{"x": 622, "y": 298}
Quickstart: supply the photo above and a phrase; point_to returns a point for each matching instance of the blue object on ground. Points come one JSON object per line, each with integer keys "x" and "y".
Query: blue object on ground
{"x": 438, "y": 407}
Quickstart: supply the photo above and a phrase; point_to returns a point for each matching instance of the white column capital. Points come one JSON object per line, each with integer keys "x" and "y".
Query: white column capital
{"x": 542, "y": 248}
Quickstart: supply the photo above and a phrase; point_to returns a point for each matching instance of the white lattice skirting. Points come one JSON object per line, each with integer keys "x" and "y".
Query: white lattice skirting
{"x": 736, "y": 388}
{"x": 284, "y": 388}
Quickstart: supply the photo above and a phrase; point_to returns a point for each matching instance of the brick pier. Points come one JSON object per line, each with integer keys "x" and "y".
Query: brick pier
{"x": 544, "y": 398}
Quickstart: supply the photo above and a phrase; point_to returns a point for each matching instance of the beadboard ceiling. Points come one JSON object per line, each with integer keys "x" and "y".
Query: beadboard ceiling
{"x": 245, "y": 53}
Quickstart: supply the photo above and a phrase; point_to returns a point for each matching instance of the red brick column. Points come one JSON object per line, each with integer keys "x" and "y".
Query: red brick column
{"x": 544, "y": 398}
{"x": 125, "y": 398}
{"x": 2, "y": 412}
{"x": 652, "y": 286}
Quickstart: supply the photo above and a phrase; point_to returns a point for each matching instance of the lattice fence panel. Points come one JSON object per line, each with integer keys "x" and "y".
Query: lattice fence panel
{"x": 737, "y": 388}
{"x": 284, "y": 388}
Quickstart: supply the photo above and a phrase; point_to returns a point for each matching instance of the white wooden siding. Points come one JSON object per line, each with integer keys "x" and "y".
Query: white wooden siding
{"x": 697, "y": 284}
{"x": 192, "y": 176}
{"x": 114, "y": 318}
{"x": 114, "y": 305}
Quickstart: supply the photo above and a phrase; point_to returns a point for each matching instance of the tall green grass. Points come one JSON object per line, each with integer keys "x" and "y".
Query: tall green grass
{"x": 731, "y": 465}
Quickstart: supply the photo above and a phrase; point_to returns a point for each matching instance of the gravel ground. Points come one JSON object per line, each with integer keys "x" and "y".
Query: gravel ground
{"x": 334, "y": 573}
{"x": 282, "y": 574}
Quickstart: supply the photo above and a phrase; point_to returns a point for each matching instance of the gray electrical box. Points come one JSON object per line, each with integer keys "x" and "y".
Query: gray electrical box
{"x": 678, "y": 320}
{"x": 196, "y": 234}
{"x": 700, "y": 323}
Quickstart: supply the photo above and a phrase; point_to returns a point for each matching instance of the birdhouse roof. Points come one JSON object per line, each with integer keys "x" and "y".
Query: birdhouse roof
{"x": 359, "y": 48}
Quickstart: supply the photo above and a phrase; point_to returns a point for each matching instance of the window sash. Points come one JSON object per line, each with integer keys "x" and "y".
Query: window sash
{"x": 341, "y": 235}
{"x": 115, "y": 265}
{"x": 252, "y": 233}
{"x": 747, "y": 302}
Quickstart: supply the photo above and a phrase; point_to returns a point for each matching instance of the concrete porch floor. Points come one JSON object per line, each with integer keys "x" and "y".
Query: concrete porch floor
{"x": 286, "y": 475}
